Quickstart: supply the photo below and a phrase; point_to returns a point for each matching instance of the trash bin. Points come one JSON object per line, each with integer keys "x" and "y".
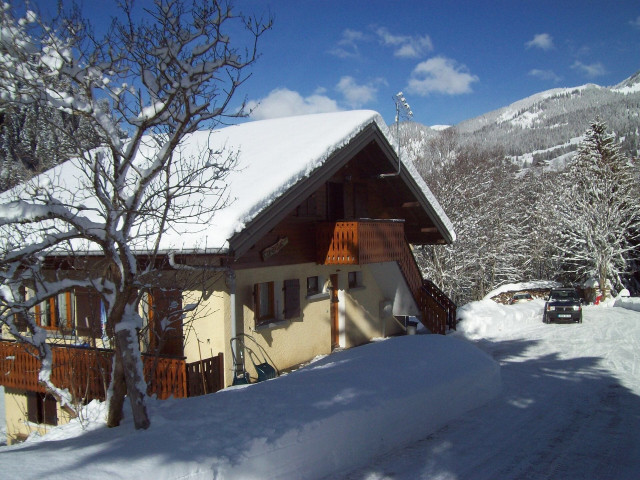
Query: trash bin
{"x": 412, "y": 326}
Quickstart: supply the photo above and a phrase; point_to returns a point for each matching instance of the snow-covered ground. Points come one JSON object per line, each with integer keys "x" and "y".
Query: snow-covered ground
{"x": 569, "y": 408}
{"x": 338, "y": 413}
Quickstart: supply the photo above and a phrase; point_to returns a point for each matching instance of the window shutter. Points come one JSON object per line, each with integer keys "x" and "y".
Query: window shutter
{"x": 256, "y": 303}
{"x": 32, "y": 407}
{"x": 88, "y": 313}
{"x": 20, "y": 322}
{"x": 50, "y": 410}
{"x": 166, "y": 322}
{"x": 291, "y": 298}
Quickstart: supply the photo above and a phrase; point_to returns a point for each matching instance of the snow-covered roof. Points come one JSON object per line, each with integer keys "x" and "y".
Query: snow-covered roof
{"x": 272, "y": 156}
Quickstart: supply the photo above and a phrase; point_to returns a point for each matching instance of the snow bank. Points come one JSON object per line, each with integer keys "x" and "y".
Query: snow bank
{"x": 630, "y": 303}
{"x": 486, "y": 318}
{"x": 516, "y": 287}
{"x": 334, "y": 415}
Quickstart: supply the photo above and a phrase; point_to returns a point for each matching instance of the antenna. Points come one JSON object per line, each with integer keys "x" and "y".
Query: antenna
{"x": 403, "y": 110}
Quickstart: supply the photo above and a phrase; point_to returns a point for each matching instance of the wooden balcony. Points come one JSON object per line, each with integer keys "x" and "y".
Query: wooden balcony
{"x": 372, "y": 241}
{"x": 359, "y": 242}
{"x": 85, "y": 372}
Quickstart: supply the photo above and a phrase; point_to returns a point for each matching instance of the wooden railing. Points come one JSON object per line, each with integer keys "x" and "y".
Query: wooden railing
{"x": 86, "y": 372}
{"x": 359, "y": 243}
{"x": 205, "y": 376}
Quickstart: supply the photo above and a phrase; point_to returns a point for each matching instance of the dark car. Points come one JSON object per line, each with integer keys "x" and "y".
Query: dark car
{"x": 522, "y": 297}
{"x": 563, "y": 305}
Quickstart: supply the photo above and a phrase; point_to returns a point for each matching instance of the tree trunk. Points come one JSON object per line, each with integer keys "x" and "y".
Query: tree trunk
{"x": 133, "y": 376}
{"x": 117, "y": 391}
{"x": 128, "y": 373}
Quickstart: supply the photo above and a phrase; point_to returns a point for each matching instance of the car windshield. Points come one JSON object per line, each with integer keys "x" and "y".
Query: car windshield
{"x": 564, "y": 295}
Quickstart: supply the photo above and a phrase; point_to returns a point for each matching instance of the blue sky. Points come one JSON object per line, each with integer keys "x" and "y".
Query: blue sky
{"x": 453, "y": 60}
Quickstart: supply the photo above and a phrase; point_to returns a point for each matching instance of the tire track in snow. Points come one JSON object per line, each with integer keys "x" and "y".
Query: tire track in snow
{"x": 570, "y": 409}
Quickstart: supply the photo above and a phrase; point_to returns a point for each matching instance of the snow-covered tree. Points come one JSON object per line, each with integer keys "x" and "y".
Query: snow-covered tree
{"x": 30, "y": 142}
{"x": 597, "y": 218}
{"x": 164, "y": 72}
{"x": 476, "y": 189}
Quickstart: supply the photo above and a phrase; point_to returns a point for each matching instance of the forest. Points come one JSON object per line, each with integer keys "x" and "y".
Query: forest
{"x": 514, "y": 223}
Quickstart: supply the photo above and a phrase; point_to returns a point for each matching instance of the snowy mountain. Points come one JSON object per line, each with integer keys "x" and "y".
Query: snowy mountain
{"x": 547, "y": 126}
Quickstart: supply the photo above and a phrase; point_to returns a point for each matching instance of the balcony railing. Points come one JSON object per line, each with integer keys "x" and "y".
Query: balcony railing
{"x": 86, "y": 372}
{"x": 359, "y": 242}
{"x": 362, "y": 242}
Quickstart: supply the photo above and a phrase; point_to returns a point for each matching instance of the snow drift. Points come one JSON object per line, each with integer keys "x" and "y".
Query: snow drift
{"x": 332, "y": 416}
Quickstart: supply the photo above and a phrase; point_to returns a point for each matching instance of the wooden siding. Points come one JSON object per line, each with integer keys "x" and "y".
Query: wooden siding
{"x": 86, "y": 371}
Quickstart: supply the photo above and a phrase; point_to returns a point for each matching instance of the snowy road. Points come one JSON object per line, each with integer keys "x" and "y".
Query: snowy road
{"x": 570, "y": 407}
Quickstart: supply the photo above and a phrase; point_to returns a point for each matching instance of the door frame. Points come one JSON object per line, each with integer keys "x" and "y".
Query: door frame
{"x": 337, "y": 312}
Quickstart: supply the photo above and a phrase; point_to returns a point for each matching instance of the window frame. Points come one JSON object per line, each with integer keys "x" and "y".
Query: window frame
{"x": 269, "y": 315}
{"x": 42, "y": 408}
{"x": 50, "y": 310}
{"x": 316, "y": 290}
{"x": 354, "y": 279}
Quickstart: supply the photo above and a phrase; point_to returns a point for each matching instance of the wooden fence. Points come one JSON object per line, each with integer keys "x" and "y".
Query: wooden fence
{"x": 205, "y": 376}
{"x": 86, "y": 372}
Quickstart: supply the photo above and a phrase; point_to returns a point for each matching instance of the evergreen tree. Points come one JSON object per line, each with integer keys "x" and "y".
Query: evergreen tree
{"x": 597, "y": 219}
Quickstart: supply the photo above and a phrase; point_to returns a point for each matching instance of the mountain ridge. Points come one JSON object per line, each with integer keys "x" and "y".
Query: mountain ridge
{"x": 545, "y": 128}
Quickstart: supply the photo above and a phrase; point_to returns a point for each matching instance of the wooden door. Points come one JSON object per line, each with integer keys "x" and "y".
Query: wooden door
{"x": 335, "y": 330}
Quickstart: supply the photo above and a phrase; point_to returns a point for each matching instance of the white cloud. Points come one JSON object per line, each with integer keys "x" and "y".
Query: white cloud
{"x": 591, "y": 71}
{"x": 405, "y": 46}
{"x": 636, "y": 22}
{"x": 357, "y": 95}
{"x": 347, "y": 46}
{"x": 541, "y": 40}
{"x": 440, "y": 75}
{"x": 283, "y": 102}
{"x": 545, "y": 75}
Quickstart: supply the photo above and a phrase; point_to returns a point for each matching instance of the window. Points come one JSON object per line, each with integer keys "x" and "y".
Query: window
{"x": 162, "y": 310}
{"x": 56, "y": 313}
{"x": 264, "y": 302}
{"x": 292, "y": 298}
{"x": 41, "y": 408}
{"x": 355, "y": 279}
{"x": 313, "y": 285}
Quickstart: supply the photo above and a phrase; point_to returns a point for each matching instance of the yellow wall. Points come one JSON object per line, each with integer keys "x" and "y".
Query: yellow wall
{"x": 289, "y": 343}
{"x": 18, "y": 428}
{"x": 206, "y": 328}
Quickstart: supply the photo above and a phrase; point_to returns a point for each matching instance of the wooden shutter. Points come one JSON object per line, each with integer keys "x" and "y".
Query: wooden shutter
{"x": 50, "y": 410}
{"x": 88, "y": 312}
{"x": 166, "y": 311}
{"x": 33, "y": 407}
{"x": 20, "y": 319}
{"x": 291, "y": 298}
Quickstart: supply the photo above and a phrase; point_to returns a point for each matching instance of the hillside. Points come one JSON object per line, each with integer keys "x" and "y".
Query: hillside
{"x": 547, "y": 126}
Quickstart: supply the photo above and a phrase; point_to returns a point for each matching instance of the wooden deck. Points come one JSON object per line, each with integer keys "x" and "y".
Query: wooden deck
{"x": 362, "y": 242}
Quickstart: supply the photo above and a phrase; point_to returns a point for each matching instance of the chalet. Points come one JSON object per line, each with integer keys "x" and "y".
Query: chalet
{"x": 312, "y": 253}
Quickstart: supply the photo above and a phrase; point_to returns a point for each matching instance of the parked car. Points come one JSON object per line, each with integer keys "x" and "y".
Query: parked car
{"x": 563, "y": 305}
{"x": 522, "y": 297}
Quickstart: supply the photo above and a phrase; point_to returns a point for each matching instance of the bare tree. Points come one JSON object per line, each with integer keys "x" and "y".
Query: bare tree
{"x": 164, "y": 76}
